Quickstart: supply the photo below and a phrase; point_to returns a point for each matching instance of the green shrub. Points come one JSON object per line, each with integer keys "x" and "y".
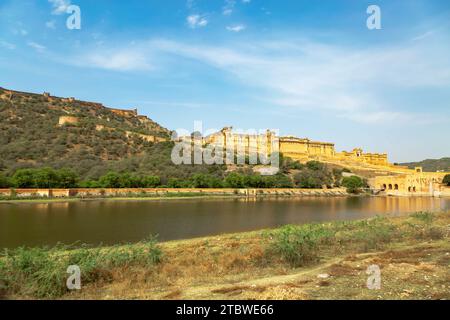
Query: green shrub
{"x": 41, "y": 272}
{"x": 235, "y": 180}
{"x": 353, "y": 184}
{"x": 297, "y": 245}
{"x": 426, "y": 217}
{"x": 312, "y": 179}
{"x": 446, "y": 180}
{"x": 44, "y": 178}
{"x": 4, "y": 181}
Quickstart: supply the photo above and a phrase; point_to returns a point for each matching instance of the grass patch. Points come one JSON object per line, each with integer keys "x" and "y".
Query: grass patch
{"x": 426, "y": 217}
{"x": 41, "y": 272}
{"x": 298, "y": 245}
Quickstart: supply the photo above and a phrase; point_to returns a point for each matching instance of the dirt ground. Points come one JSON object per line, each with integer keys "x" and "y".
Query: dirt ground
{"x": 234, "y": 267}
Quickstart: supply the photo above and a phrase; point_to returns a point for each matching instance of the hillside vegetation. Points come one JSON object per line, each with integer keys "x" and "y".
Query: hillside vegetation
{"x": 431, "y": 165}
{"x": 99, "y": 142}
{"x": 52, "y": 142}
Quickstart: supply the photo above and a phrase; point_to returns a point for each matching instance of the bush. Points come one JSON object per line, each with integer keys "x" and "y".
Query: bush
{"x": 235, "y": 180}
{"x": 41, "y": 272}
{"x": 315, "y": 165}
{"x": 426, "y": 217}
{"x": 110, "y": 180}
{"x": 446, "y": 180}
{"x": 297, "y": 245}
{"x": 312, "y": 179}
{"x": 4, "y": 181}
{"x": 44, "y": 178}
{"x": 200, "y": 180}
{"x": 151, "y": 182}
{"x": 353, "y": 184}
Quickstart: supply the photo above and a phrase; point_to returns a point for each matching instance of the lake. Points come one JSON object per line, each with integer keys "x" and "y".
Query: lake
{"x": 112, "y": 222}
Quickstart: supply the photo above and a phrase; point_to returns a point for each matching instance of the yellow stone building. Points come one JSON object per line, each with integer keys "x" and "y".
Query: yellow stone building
{"x": 416, "y": 182}
{"x": 301, "y": 149}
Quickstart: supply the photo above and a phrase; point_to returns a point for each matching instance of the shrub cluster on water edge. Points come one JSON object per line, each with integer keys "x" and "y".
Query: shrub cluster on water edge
{"x": 42, "y": 272}
{"x": 298, "y": 245}
{"x": 313, "y": 174}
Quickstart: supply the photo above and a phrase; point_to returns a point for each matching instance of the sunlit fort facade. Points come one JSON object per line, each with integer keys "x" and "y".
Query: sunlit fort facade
{"x": 301, "y": 149}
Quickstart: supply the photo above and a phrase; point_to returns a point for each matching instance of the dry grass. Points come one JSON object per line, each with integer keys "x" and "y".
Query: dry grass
{"x": 242, "y": 266}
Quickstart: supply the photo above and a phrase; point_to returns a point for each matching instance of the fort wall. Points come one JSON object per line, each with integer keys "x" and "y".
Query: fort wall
{"x": 152, "y": 192}
{"x": 415, "y": 183}
{"x": 301, "y": 149}
{"x": 64, "y": 120}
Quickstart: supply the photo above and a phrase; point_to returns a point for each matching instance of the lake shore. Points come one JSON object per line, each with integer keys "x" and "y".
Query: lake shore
{"x": 314, "y": 261}
{"x": 67, "y": 195}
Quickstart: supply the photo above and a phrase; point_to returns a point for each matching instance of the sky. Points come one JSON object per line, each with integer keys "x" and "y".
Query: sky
{"x": 307, "y": 68}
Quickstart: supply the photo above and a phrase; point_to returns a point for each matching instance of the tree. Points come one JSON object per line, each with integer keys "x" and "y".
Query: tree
{"x": 151, "y": 182}
{"x": 176, "y": 183}
{"x": 446, "y": 180}
{"x": 110, "y": 180}
{"x": 235, "y": 180}
{"x": 23, "y": 178}
{"x": 282, "y": 181}
{"x": 67, "y": 178}
{"x": 45, "y": 178}
{"x": 353, "y": 184}
{"x": 200, "y": 180}
{"x": 313, "y": 179}
{"x": 315, "y": 165}
{"x": 4, "y": 181}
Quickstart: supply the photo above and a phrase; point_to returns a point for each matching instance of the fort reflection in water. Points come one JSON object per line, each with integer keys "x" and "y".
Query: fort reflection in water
{"x": 111, "y": 222}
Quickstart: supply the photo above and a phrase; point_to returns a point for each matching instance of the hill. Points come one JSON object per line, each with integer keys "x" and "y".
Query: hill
{"x": 40, "y": 130}
{"x": 431, "y": 165}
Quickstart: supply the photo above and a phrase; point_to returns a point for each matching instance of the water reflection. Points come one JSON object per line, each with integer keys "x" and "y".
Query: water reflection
{"x": 110, "y": 222}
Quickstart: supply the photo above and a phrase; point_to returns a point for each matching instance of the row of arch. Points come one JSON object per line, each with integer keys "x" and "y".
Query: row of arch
{"x": 390, "y": 186}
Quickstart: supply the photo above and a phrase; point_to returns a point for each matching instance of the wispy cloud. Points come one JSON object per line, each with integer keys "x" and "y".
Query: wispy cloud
{"x": 118, "y": 60}
{"x": 423, "y": 36}
{"x": 312, "y": 76}
{"x": 236, "y": 28}
{"x": 196, "y": 21}
{"x": 20, "y": 31}
{"x": 7, "y": 45}
{"x": 36, "y": 46}
{"x": 346, "y": 82}
{"x": 228, "y": 7}
{"x": 59, "y": 6}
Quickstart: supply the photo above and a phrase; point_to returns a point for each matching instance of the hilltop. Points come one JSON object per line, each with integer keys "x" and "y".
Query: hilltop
{"x": 431, "y": 165}
{"x": 39, "y": 130}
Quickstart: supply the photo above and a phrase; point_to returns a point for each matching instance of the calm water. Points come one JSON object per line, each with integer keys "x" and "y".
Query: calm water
{"x": 110, "y": 222}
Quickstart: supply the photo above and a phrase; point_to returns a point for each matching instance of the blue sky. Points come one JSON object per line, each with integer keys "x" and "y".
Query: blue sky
{"x": 308, "y": 68}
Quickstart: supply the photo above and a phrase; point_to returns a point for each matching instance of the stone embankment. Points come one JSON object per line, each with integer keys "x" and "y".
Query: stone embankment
{"x": 152, "y": 192}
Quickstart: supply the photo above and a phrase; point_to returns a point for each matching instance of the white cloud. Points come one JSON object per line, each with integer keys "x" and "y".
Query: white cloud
{"x": 423, "y": 36}
{"x": 21, "y": 32}
{"x": 36, "y": 46}
{"x": 228, "y": 7}
{"x": 59, "y": 6}
{"x": 7, "y": 45}
{"x": 236, "y": 28}
{"x": 196, "y": 21}
{"x": 120, "y": 60}
{"x": 316, "y": 77}
{"x": 346, "y": 82}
